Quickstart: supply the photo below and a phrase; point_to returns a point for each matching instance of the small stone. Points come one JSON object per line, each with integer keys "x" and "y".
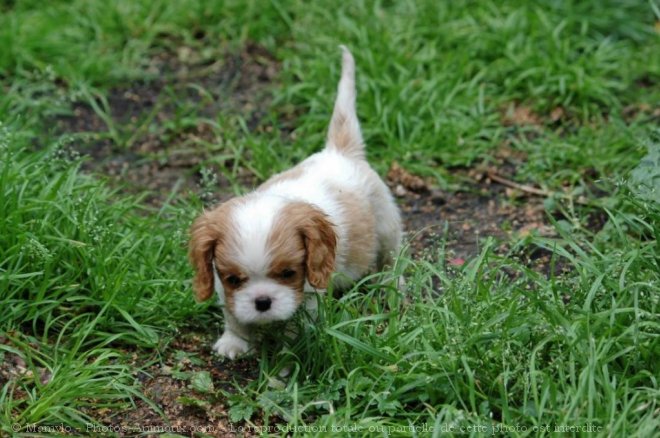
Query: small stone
{"x": 400, "y": 191}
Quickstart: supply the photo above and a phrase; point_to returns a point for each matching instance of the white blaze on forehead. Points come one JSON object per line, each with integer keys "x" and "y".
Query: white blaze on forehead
{"x": 254, "y": 219}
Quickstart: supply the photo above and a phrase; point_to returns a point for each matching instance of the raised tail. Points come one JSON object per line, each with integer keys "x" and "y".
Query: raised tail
{"x": 344, "y": 134}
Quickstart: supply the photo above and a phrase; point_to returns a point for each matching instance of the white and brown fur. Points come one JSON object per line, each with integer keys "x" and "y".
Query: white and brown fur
{"x": 329, "y": 214}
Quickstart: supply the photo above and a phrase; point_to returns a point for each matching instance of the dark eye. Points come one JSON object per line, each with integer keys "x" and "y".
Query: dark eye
{"x": 287, "y": 273}
{"x": 233, "y": 280}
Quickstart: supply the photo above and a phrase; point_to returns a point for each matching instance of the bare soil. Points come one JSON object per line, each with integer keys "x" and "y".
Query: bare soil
{"x": 151, "y": 137}
{"x": 160, "y": 158}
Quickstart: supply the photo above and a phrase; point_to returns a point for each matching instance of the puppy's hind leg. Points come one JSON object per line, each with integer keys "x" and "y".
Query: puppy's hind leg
{"x": 388, "y": 232}
{"x": 389, "y": 235}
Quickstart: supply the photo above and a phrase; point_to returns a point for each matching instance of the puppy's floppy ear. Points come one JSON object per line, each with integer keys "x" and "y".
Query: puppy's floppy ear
{"x": 320, "y": 244}
{"x": 203, "y": 239}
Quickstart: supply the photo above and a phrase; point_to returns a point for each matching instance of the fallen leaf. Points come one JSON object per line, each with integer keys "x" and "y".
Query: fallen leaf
{"x": 520, "y": 115}
{"x": 557, "y": 114}
{"x": 457, "y": 261}
{"x": 398, "y": 175}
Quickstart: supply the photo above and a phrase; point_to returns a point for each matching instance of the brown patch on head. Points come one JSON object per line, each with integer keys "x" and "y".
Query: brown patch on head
{"x": 302, "y": 233}
{"x": 293, "y": 173}
{"x": 211, "y": 232}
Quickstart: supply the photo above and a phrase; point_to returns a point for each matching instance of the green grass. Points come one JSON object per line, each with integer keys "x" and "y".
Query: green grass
{"x": 91, "y": 279}
{"x": 84, "y": 281}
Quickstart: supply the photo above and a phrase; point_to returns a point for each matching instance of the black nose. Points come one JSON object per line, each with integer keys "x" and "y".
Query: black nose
{"x": 262, "y": 304}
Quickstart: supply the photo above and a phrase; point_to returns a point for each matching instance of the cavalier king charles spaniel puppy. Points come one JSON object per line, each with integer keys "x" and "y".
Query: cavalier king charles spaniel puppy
{"x": 265, "y": 252}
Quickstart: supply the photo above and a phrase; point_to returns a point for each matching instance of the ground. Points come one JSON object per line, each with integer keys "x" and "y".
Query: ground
{"x": 519, "y": 140}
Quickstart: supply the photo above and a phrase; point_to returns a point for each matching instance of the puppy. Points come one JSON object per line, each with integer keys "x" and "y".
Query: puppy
{"x": 329, "y": 214}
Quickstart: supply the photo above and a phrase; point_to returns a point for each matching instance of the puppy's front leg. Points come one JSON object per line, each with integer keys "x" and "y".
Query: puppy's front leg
{"x": 234, "y": 341}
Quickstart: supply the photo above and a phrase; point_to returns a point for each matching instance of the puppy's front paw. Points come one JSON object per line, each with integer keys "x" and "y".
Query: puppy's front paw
{"x": 230, "y": 345}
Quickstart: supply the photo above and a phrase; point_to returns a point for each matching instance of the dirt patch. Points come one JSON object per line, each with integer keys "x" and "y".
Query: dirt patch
{"x": 151, "y": 137}
{"x": 453, "y": 225}
{"x": 518, "y": 114}
{"x": 189, "y": 389}
{"x": 459, "y": 221}
{"x": 14, "y": 368}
